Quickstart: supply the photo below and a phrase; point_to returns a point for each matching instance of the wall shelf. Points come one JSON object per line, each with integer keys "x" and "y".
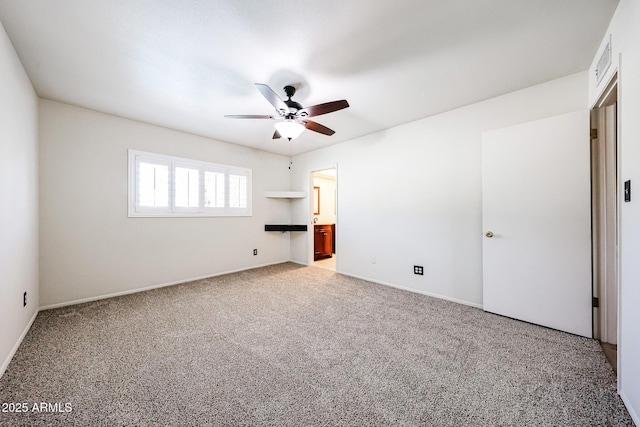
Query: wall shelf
{"x": 285, "y": 227}
{"x": 285, "y": 194}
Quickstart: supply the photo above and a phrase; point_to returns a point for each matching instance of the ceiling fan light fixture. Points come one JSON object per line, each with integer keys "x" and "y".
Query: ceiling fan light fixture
{"x": 289, "y": 129}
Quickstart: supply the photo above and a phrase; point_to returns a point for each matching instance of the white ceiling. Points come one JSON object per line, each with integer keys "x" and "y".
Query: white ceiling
{"x": 185, "y": 64}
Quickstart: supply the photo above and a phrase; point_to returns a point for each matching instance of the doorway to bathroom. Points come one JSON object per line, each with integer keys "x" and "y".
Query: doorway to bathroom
{"x": 324, "y": 217}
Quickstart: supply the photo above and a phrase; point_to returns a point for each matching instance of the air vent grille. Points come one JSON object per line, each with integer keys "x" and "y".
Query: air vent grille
{"x": 604, "y": 62}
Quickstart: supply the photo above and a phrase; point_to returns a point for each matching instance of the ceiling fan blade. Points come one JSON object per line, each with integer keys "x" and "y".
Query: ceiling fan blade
{"x": 317, "y": 127}
{"x": 250, "y": 116}
{"x": 327, "y": 107}
{"x": 273, "y": 98}
{"x": 276, "y": 135}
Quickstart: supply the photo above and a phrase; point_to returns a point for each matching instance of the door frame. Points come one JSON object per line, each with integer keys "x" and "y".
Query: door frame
{"x": 611, "y": 89}
{"x": 601, "y": 314}
{"x": 310, "y": 234}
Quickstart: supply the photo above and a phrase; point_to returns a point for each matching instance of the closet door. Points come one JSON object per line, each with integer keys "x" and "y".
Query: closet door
{"x": 537, "y": 222}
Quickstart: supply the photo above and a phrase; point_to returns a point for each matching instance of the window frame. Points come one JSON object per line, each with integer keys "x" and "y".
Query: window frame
{"x": 135, "y": 157}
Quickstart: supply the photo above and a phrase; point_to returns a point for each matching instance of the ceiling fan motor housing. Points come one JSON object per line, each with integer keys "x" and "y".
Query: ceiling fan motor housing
{"x": 289, "y": 91}
{"x": 293, "y": 105}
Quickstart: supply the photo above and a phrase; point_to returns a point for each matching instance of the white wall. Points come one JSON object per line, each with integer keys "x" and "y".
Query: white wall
{"x": 89, "y": 247}
{"x": 411, "y": 195}
{"x": 625, "y": 40}
{"x": 18, "y": 201}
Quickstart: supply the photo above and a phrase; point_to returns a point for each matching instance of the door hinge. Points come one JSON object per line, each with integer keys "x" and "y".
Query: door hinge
{"x": 594, "y": 133}
{"x": 596, "y": 302}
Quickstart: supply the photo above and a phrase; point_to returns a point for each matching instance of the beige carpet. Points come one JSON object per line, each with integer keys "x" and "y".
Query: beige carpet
{"x": 302, "y": 346}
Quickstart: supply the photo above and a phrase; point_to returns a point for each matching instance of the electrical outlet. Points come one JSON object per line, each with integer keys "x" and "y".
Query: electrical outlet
{"x": 24, "y": 300}
{"x": 255, "y": 252}
{"x": 373, "y": 260}
{"x": 418, "y": 269}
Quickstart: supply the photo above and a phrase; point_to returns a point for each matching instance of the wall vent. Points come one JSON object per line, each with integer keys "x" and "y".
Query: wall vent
{"x": 604, "y": 62}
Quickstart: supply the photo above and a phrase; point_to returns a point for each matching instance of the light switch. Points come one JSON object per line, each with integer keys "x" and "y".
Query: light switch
{"x": 627, "y": 191}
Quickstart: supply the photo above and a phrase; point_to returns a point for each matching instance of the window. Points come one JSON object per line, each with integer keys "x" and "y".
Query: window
{"x": 237, "y": 191}
{"x": 214, "y": 189}
{"x": 166, "y": 186}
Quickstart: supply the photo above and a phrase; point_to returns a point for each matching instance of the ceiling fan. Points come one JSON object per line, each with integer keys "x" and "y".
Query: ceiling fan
{"x": 294, "y": 115}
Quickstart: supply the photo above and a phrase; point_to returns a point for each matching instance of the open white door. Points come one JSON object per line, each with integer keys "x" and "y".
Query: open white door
{"x": 536, "y": 208}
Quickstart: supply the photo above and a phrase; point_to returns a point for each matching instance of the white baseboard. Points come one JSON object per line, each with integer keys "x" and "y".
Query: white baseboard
{"x": 632, "y": 411}
{"x": 148, "y": 288}
{"x": 417, "y": 291}
{"x": 12, "y": 353}
{"x": 162, "y": 285}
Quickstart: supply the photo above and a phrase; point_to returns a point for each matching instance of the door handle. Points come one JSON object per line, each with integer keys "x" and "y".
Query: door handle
{"x": 489, "y": 234}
